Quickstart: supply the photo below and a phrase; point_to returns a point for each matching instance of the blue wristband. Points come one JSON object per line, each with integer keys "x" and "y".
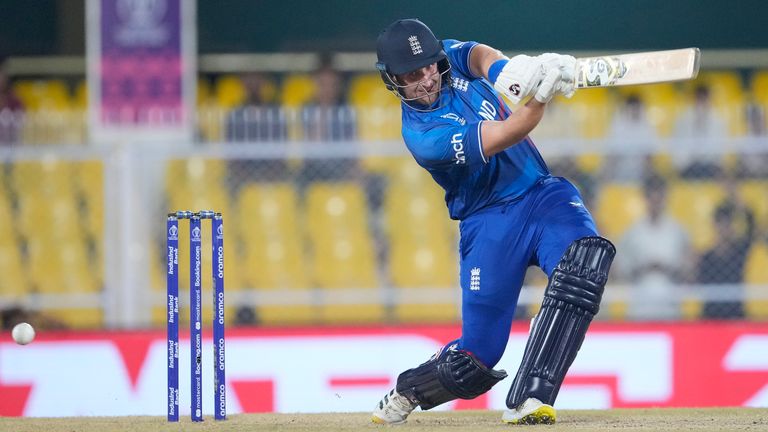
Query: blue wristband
{"x": 495, "y": 70}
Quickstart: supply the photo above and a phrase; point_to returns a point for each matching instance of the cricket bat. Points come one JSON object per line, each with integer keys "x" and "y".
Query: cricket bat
{"x": 637, "y": 68}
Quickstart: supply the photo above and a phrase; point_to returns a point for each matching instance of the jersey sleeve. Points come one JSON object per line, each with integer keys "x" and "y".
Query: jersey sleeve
{"x": 458, "y": 55}
{"x": 448, "y": 147}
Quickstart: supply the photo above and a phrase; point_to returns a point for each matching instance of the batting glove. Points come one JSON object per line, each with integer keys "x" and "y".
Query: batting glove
{"x": 517, "y": 77}
{"x": 567, "y": 66}
{"x": 549, "y": 85}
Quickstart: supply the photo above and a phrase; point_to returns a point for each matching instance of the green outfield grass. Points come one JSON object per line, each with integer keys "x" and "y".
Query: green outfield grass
{"x": 626, "y": 420}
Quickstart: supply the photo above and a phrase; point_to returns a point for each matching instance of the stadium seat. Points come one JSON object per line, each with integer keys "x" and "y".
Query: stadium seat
{"x": 756, "y": 280}
{"x": 723, "y": 85}
{"x": 6, "y": 208}
{"x": 664, "y": 165}
{"x": 204, "y": 93}
{"x": 273, "y": 254}
{"x": 297, "y": 90}
{"x": 43, "y": 94}
{"x": 342, "y": 253}
{"x": 13, "y": 283}
{"x": 590, "y": 163}
{"x": 591, "y": 111}
{"x": 693, "y": 205}
{"x": 421, "y": 254}
{"x": 199, "y": 175}
{"x": 369, "y": 90}
{"x": 727, "y": 96}
{"x": 760, "y": 86}
{"x": 48, "y": 208}
{"x": 48, "y": 177}
{"x": 60, "y": 267}
{"x": 80, "y": 97}
{"x": 78, "y": 318}
{"x": 90, "y": 186}
{"x": 54, "y": 217}
{"x": 662, "y": 104}
{"x": 338, "y": 229}
{"x": 760, "y": 93}
{"x": 618, "y": 207}
{"x": 378, "y": 109}
{"x": 230, "y": 92}
{"x": 269, "y": 226}
{"x": 755, "y": 196}
{"x": 406, "y": 172}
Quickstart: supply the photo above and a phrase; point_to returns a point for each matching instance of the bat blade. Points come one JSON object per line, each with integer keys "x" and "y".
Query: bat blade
{"x": 638, "y": 68}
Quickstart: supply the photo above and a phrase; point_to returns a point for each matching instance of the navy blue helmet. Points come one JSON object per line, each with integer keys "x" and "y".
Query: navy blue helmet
{"x": 407, "y": 45}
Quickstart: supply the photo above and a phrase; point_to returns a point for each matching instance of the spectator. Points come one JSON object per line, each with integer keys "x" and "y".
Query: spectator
{"x": 722, "y": 266}
{"x": 655, "y": 258}
{"x": 11, "y": 109}
{"x": 631, "y": 139}
{"x": 700, "y": 129}
{"x": 327, "y": 119}
{"x": 256, "y": 120}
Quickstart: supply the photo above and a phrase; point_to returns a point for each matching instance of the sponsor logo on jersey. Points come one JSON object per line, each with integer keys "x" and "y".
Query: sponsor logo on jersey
{"x": 455, "y": 117}
{"x": 458, "y": 149}
{"x": 487, "y": 110}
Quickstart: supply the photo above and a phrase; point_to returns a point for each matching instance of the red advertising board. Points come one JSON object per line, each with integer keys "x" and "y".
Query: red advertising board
{"x": 348, "y": 369}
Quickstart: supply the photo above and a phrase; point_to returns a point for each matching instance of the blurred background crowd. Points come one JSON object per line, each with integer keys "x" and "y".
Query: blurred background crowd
{"x": 329, "y": 221}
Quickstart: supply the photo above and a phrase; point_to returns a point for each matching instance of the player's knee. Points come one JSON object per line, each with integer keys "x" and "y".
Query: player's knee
{"x": 580, "y": 276}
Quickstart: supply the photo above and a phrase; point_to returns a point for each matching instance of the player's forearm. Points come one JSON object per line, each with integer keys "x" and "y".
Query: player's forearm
{"x": 482, "y": 58}
{"x": 497, "y": 136}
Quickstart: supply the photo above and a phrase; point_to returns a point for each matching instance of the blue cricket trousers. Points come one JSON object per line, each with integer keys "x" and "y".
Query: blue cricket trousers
{"x": 497, "y": 246}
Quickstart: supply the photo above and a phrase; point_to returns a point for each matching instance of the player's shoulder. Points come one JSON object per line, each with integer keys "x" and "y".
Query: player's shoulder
{"x": 455, "y": 44}
{"x": 458, "y": 54}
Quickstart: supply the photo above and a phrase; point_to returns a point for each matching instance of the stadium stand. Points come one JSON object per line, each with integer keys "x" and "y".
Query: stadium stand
{"x": 319, "y": 243}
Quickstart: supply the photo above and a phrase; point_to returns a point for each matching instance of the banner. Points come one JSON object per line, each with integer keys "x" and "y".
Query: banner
{"x": 141, "y": 68}
{"x": 350, "y": 369}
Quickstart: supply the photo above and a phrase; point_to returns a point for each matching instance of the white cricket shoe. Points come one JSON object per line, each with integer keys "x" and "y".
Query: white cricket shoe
{"x": 392, "y": 409}
{"x": 532, "y": 411}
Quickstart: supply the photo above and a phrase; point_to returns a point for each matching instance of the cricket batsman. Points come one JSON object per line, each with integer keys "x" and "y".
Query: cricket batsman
{"x": 512, "y": 213}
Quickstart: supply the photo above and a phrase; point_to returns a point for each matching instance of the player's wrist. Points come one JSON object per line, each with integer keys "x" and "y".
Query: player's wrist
{"x": 495, "y": 69}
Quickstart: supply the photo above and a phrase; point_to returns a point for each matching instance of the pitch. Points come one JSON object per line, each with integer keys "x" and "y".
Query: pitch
{"x": 626, "y": 420}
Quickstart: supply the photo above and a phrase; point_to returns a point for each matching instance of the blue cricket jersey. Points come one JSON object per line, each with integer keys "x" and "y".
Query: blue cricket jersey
{"x": 447, "y": 142}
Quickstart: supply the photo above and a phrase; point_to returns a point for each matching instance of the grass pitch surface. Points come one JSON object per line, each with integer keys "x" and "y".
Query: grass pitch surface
{"x": 662, "y": 419}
